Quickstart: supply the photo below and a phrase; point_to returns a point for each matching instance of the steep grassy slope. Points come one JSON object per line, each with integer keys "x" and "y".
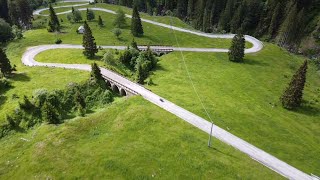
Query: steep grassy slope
{"x": 131, "y": 139}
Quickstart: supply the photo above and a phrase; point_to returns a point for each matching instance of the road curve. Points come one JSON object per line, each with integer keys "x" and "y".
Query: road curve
{"x": 255, "y": 153}
{"x": 257, "y": 45}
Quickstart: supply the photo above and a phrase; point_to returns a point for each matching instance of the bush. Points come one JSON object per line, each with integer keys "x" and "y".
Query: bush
{"x": 58, "y": 41}
{"x": 17, "y": 33}
{"x": 108, "y": 58}
{"x": 117, "y": 32}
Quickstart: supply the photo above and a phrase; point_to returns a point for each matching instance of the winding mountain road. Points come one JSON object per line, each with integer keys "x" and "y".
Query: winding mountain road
{"x": 255, "y": 153}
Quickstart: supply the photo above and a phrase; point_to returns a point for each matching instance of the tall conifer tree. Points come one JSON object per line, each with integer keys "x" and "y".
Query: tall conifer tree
{"x": 5, "y": 66}
{"x": 136, "y": 25}
{"x": 292, "y": 97}
{"x": 236, "y": 51}
{"x": 88, "y": 42}
{"x": 53, "y": 19}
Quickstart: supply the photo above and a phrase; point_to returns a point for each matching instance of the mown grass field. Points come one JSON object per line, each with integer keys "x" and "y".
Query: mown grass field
{"x": 131, "y": 139}
{"x": 244, "y": 98}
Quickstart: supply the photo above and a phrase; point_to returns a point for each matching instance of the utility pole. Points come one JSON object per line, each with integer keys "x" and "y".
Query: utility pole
{"x": 210, "y": 136}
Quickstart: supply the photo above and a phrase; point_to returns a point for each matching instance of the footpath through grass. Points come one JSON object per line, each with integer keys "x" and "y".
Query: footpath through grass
{"x": 244, "y": 99}
{"x": 131, "y": 139}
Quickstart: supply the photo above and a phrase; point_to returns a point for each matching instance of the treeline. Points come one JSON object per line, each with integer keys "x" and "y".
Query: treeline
{"x": 285, "y": 22}
{"x": 19, "y": 12}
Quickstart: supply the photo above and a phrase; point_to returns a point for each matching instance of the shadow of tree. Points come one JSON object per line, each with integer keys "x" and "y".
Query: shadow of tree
{"x": 254, "y": 62}
{"x": 20, "y": 77}
{"x": 308, "y": 109}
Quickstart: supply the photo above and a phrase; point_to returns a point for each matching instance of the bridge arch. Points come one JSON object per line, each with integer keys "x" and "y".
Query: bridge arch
{"x": 108, "y": 83}
{"x": 115, "y": 88}
{"x": 123, "y": 92}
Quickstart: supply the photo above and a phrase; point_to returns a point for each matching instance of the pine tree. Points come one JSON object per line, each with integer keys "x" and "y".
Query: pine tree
{"x": 90, "y": 47}
{"x": 25, "y": 13}
{"x": 235, "y": 25}
{"x": 236, "y": 51}
{"x": 136, "y": 26}
{"x": 53, "y": 18}
{"x": 134, "y": 44}
{"x": 275, "y": 21}
{"x": 141, "y": 73}
{"x": 100, "y": 22}
{"x": 226, "y": 16}
{"x": 288, "y": 28}
{"x": 96, "y": 75}
{"x": 190, "y": 9}
{"x": 4, "y": 11}
{"x": 90, "y": 15}
{"x": 292, "y": 97}
{"x": 120, "y": 20}
{"x": 5, "y": 66}
{"x": 49, "y": 114}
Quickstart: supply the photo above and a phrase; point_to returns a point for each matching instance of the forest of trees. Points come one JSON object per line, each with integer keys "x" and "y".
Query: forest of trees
{"x": 285, "y": 22}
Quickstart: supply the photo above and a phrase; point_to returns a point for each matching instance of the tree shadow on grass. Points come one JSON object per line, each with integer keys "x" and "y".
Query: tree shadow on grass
{"x": 308, "y": 109}
{"x": 3, "y": 99}
{"x": 160, "y": 68}
{"x": 254, "y": 62}
{"x": 21, "y": 77}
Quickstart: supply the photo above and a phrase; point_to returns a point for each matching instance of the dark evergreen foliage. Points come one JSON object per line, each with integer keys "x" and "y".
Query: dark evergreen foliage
{"x": 136, "y": 25}
{"x": 90, "y": 15}
{"x": 54, "y": 23}
{"x": 236, "y": 51}
{"x": 100, "y": 22}
{"x": 292, "y": 96}
{"x": 90, "y": 47}
{"x": 5, "y": 31}
{"x": 5, "y": 66}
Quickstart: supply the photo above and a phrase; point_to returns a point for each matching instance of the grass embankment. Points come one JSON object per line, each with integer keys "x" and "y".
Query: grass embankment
{"x": 245, "y": 99}
{"x": 131, "y": 139}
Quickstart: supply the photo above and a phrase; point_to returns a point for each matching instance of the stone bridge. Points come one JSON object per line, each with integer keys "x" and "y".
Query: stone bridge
{"x": 119, "y": 88}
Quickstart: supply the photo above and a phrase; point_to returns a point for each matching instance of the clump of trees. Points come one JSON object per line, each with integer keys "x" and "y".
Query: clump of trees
{"x": 74, "y": 16}
{"x": 54, "y": 23}
{"x": 236, "y": 51}
{"x": 292, "y": 96}
{"x": 141, "y": 62}
{"x": 136, "y": 25}
{"x": 88, "y": 42}
{"x": 55, "y": 106}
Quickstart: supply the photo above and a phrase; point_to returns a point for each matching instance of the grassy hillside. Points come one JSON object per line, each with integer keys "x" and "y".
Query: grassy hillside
{"x": 119, "y": 143}
{"x": 30, "y": 79}
{"x": 244, "y": 98}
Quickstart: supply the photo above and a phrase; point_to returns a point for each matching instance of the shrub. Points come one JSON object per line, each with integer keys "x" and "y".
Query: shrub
{"x": 117, "y": 32}
{"x": 58, "y": 41}
{"x": 108, "y": 58}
